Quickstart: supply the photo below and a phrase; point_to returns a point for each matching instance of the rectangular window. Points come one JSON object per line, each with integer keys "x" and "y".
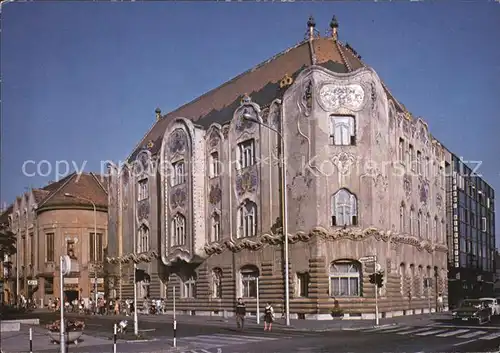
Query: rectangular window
{"x": 188, "y": 288}
{"x": 215, "y": 227}
{"x": 401, "y": 150}
{"x": 412, "y": 158}
{"x": 49, "y": 246}
{"x": 303, "y": 285}
{"x": 249, "y": 285}
{"x": 32, "y": 249}
{"x": 483, "y": 224}
{"x": 419, "y": 163}
{"x": 214, "y": 165}
{"x": 442, "y": 177}
{"x": 179, "y": 173}
{"x": 342, "y": 131}
{"x": 246, "y": 154}
{"x": 96, "y": 247}
{"x": 48, "y": 285}
{"x": 142, "y": 189}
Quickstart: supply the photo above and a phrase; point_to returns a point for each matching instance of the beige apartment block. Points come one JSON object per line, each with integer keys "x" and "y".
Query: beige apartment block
{"x": 53, "y": 221}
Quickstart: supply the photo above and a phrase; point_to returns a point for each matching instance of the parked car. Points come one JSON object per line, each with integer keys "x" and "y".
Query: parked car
{"x": 473, "y": 310}
{"x": 492, "y": 304}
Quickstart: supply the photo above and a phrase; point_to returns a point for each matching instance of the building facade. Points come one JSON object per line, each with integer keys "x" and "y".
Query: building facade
{"x": 199, "y": 206}
{"x": 58, "y": 220}
{"x": 471, "y": 240}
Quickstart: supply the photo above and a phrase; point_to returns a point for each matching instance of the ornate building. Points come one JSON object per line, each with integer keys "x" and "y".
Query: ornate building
{"x": 198, "y": 206}
{"x": 56, "y": 220}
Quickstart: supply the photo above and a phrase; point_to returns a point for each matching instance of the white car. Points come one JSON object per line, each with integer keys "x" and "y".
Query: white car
{"x": 493, "y": 304}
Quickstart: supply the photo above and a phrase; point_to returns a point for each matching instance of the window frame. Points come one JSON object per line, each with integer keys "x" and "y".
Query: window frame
{"x": 50, "y": 247}
{"x": 217, "y": 283}
{"x": 215, "y": 227}
{"x": 143, "y": 239}
{"x": 352, "y": 217}
{"x": 96, "y": 242}
{"x": 247, "y": 219}
{"x": 214, "y": 160}
{"x": 348, "y": 275}
{"x": 245, "y": 154}
{"x": 178, "y": 173}
{"x": 249, "y": 275}
{"x": 142, "y": 189}
{"x": 303, "y": 279}
{"x": 189, "y": 287}
{"x": 178, "y": 224}
{"x": 347, "y": 130}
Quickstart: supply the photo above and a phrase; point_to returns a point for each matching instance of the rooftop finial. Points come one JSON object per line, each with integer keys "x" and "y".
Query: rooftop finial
{"x": 334, "y": 25}
{"x": 311, "y": 24}
{"x": 158, "y": 113}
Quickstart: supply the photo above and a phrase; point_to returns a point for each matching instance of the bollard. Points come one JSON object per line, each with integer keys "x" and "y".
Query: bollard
{"x": 114, "y": 337}
{"x": 31, "y": 340}
{"x": 175, "y": 333}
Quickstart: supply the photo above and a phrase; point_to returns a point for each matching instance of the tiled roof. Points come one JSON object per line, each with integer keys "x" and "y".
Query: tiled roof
{"x": 261, "y": 83}
{"x": 84, "y": 186}
{"x": 40, "y": 195}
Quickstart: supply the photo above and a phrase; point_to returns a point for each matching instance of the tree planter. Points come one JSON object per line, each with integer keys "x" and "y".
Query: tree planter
{"x": 72, "y": 336}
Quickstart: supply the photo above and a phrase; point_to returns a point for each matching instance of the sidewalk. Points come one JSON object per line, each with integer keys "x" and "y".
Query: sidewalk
{"x": 295, "y": 325}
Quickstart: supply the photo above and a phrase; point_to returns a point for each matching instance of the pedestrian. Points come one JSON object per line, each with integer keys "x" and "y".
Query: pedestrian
{"x": 241, "y": 311}
{"x": 440, "y": 303}
{"x": 268, "y": 317}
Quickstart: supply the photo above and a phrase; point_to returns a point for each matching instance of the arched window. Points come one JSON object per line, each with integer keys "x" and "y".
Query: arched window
{"x": 247, "y": 219}
{"x": 143, "y": 239}
{"x": 402, "y": 226}
{"x": 344, "y": 209}
{"x": 411, "y": 221}
{"x": 427, "y": 227}
{"x": 420, "y": 281}
{"x": 429, "y": 280}
{"x": 217, "y": 283}
{"x": 179, "y": 230}
{"x": 215, "y": 230}
{"x": 342, "y": 131}
{"x": 412, "y": 280}
{"x": 419, "y": 224}
{"x": 402, "y": 275}
{"x": 345, "y": 279}
{"x": 249, "y": 277}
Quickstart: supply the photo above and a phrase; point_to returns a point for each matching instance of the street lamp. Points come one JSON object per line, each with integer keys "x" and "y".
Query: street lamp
{"x": 284, "y": 210}
{"x": 95, "y": 242}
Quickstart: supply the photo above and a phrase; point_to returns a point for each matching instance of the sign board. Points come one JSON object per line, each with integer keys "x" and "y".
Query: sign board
{"x": 365, "y": 259}
{"x": 32, "y": 282}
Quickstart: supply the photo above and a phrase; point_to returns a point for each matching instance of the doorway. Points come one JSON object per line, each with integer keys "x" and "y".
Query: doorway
{"x": 70, "y": 295}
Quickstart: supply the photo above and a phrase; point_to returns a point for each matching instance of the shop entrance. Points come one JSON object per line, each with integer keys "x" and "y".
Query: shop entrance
{"x": 70, "y": 295}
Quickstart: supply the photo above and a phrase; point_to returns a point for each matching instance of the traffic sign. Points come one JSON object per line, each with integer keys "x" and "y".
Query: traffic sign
{"x": 365, "y": 259}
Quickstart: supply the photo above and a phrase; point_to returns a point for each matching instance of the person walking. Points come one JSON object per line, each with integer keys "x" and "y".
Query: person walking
{"x": 241, "y": 311}
{"x": 440, "y": 303}
{"x": 268, "y": 317}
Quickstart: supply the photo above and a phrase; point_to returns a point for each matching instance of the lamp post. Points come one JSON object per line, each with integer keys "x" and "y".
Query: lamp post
{"x": 95, "y": 243}
{"x": 284, "y": 208}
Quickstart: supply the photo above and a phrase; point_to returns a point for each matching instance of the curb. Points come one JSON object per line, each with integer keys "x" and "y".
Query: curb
{"x": 140, "y": 341}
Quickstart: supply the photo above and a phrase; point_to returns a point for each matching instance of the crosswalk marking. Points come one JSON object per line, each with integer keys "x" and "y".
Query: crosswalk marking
{"x": 432, "y": 332}
{"x": 413, "y": 331}
{"x": 394, "y": 330}
{"x": 221, "y": 340}
{"x": 375, "y": 329}
{"x": 472, "y": 334}
{"x": 453, "y": 333}
{"x": 490, "y": 336}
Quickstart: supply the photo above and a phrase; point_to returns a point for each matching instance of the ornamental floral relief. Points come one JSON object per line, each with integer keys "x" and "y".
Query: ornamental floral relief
{"x": 178, "y": 141}
{"x": 215, "y": 194}
{"x": 246, "y": 181}
{"x": 178, "y": 198}
{"x": 334, "y": 96}
{"x": 407, "y": 185}
{"x": 344, "y": 161}
{"x": 143, "y": 210}
{"x": 439, "y": 201}
{"x": 214, "y": 139}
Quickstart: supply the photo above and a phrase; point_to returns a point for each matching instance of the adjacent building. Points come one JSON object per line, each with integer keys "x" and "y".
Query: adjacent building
{"x": 199, "y": 205}
{"x": 471, "y": 236}
{"x": 56, "y": 220}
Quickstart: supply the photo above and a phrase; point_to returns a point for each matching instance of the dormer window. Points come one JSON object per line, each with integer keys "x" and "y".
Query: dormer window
{"x": 342, "y": 131}
{"x": 178, "y": 173}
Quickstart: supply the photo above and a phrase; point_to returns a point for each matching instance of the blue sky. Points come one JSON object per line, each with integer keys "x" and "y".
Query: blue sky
{"x": 81, "y": 80}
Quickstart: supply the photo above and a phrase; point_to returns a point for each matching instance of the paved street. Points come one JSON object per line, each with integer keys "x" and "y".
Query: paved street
{"x": 410, "y": 334}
